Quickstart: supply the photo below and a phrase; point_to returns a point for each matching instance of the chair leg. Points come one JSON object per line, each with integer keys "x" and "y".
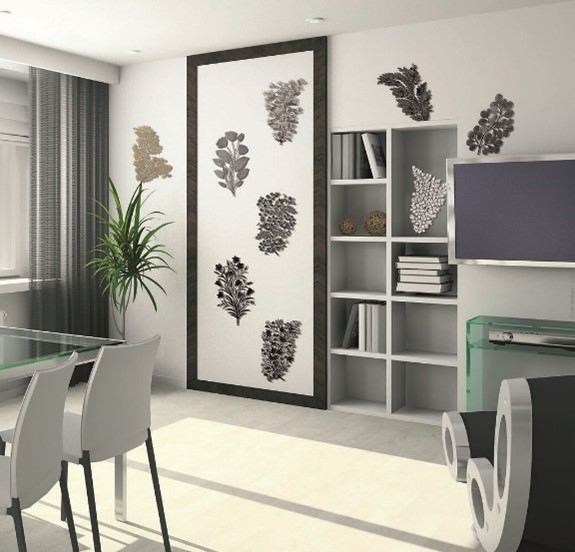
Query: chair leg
{"x": 157, "y": 490}
{"x": 91, "y": 500}
{"x": 64, "y": 478}
{"x": 16, "y": 514}
{"x": 67, "y": 508}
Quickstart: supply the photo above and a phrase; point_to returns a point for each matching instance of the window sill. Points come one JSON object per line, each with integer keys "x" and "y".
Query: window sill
{"x": 14, "y": 285}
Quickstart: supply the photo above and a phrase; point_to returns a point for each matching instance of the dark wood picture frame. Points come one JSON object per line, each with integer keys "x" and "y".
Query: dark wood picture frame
{"x": 319, "y": 48}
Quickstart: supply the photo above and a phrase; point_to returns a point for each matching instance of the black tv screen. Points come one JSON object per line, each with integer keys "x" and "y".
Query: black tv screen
{"x": 519, "y": 211}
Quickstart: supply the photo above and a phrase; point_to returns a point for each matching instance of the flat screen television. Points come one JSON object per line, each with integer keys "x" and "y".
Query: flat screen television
{"x": 512, "y": 210}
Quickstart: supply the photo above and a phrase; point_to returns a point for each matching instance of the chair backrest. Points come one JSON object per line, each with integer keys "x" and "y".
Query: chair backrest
{"x": 37, "y": 450}
{"x": 116, "y": 413}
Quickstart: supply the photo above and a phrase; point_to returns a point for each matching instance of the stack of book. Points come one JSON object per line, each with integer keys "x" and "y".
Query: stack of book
{"x": 366, "y": 327}
{"x": 355, "y": 155}
{"x": 424, "y": 274}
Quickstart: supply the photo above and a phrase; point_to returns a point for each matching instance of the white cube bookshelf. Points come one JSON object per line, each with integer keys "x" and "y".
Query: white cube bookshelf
{"x": 414, "y": 377}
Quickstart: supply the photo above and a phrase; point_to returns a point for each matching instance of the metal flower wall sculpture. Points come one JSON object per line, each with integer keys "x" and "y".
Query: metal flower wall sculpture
{"x": 277, "y": 222}
{"x": 412, "y": 95}
{"x": 427, "y": 200}
{"x": 147, "y": 162}
{"x": 283, "y": 106}
{"x": 235, "y": 292}
{"x": 231, "y": 161}
{"x": 279, "y": 348}
{"x": 495, "y": 123}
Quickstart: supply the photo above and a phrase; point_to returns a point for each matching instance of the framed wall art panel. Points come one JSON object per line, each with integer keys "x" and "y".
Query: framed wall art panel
{"x": 257, "y": 179}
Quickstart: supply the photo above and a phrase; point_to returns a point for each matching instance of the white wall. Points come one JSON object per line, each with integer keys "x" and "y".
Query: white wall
{"x": 35, "y": 55}
{"x": 154, "y": 94}
{"x": 524, "y": 54}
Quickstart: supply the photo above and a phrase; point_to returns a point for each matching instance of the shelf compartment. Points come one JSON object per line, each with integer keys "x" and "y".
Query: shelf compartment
{"x": 422, "y": 392}
{"x": 341, "y": 310}
{"x": 358, "y": 383}
{"x": 429, "y": 329}
{"x": 358, "y": 266}
{"x": 359, "y": 182}
{"x": 430, "y": 246}
{"x": 358, "y": 353}
{"x": 355, "y": 202}
{"x": 427, "y": 149}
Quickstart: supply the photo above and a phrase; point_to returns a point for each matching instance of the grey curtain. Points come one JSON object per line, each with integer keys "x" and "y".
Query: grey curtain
{"x": 68, "y": 172}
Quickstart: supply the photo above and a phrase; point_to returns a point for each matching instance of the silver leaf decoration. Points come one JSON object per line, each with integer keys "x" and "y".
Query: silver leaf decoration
{"x": 427, "y": 200}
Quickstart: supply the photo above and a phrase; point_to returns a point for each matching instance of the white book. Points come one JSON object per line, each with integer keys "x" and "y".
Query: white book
{"x": 374, "y": 328}
{"x": 368, "y": 329}
{"x": 361, "y": 326}
{"x": 422, "y": 272}
{"x": 375, "y": 154}
{"x": 336, "y": 156}
{"x": 425, "y": 279}
{"x": 351, "y": 331}
{"x": 379, "y": 322}
{"x": 424, "y": 288}
{"x": 423, "y": 258}
{"x": 422, "y": 266}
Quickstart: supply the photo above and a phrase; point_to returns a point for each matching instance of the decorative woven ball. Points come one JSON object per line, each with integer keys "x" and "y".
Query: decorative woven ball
{"x": 347, "y": 227}
{"x": 374, "y": 223}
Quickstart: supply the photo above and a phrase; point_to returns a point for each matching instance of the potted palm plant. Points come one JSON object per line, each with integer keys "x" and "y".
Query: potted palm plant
{"x": 128, "y": 254}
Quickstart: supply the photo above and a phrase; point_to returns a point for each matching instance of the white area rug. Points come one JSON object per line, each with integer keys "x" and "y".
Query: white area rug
{"x": 228, "y": 488}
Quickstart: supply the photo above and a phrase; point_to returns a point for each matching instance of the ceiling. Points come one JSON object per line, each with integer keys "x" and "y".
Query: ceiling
{"x": 106, "y": 29}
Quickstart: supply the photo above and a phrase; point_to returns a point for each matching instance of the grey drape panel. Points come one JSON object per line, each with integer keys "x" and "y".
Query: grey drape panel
{"x": 69, "y": 171}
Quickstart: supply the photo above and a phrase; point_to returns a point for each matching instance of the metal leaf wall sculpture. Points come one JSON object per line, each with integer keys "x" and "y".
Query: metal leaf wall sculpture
{"x": 427, "y": 200}
{"x": 495, "y": 123}
{"x": 231, "y": 161}
{"x": 282, "y": 104}
{"x": 279, "y": 348}
{"x": 146, "y": 151}
{"x": 412, "y": 95}
{"x": 235, "y": 292}
{"x": 277, "y": 222}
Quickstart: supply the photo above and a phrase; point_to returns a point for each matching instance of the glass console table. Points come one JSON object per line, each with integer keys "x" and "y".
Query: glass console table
{"x": 24, "y": 351}
{"x": 488, "y": 363}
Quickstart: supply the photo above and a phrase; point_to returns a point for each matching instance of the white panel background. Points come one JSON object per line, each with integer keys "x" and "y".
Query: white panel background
{"x": 230, "y": 97}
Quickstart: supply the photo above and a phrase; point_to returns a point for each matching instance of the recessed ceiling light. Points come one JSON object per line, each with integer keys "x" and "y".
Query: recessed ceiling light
{"x": 5, "y": 12}
{"x": 315, "y": 20}
{"x": 133, "y": 52}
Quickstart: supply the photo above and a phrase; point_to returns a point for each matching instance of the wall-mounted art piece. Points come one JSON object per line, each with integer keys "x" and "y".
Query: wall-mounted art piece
{"x": 427, "y": 199}
{"x": 495, "y": 123}
{"x": 231, "y": 161}
{"x": 284, "y": 108}
{"x": 147, "y": 161}
{"x": 413, "y": 96}
{"x": 257, "y": 222}
{"x": 277, "y": 221}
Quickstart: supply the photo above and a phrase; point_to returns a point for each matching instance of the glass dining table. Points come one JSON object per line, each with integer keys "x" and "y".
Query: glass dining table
{"x": 23, "y": 352}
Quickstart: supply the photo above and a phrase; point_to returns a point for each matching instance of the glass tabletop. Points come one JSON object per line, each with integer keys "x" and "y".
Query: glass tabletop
{"x": 19, "y": 346}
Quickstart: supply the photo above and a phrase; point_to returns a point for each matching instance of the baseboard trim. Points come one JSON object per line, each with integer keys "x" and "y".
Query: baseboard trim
{"x": 11, "y": 389}
{"x": 168, "y": 381}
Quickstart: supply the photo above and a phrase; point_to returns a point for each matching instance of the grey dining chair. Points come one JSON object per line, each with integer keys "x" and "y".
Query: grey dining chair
{"x": 35, "y": 463}
{"x": 115, "y": 418}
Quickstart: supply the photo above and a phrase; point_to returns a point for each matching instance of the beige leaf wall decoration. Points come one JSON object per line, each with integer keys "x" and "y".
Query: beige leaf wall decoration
{"x": 147, "y": 162}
